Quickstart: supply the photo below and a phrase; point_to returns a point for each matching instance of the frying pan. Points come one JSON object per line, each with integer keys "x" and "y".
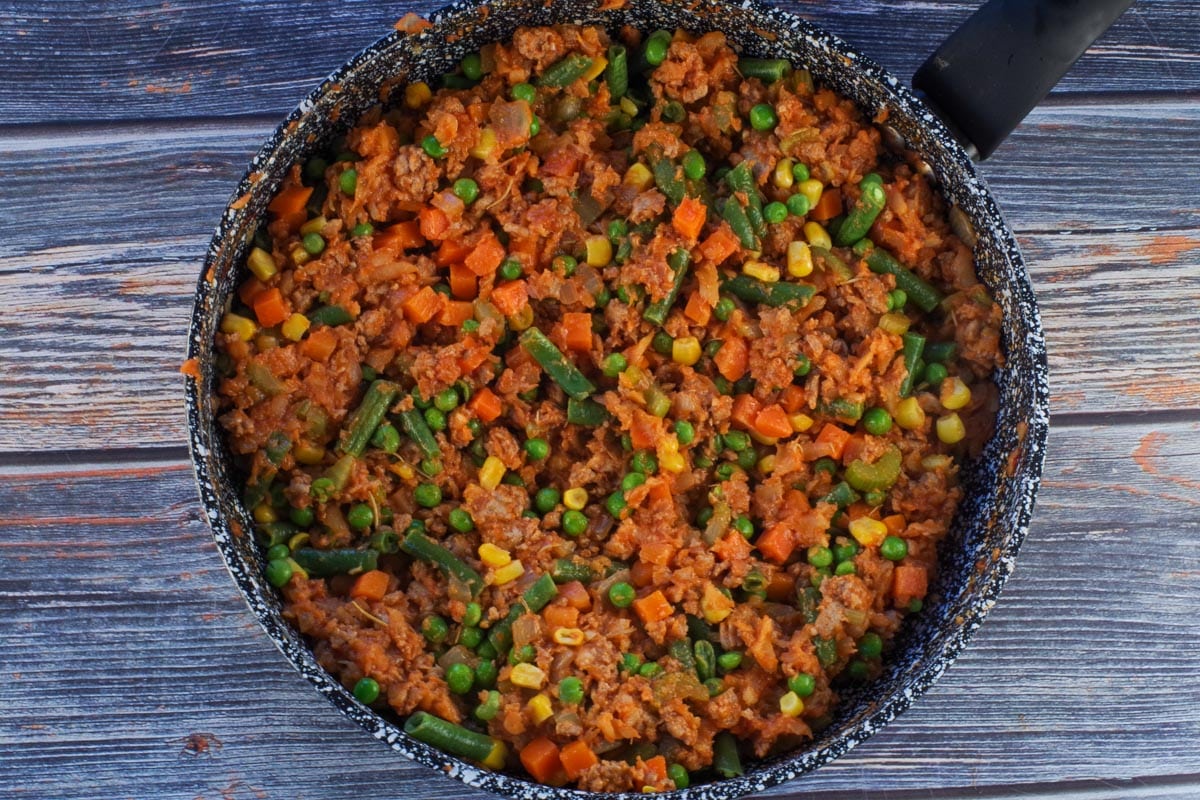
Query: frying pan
{"x": 974, "y": 90}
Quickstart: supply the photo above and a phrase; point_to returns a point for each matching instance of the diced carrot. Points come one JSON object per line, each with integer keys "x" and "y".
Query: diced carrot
{"x": 641, "y": 573}
{"x": 510, "y": 297}
{"x": 472, "y": 358}
{"x": 689, "y": 218}
{"x": 828, "y": 207}
{"x": 269, "y": 308}
{"x": 855, "y": 449}
{"x": 858, "y": 509}
{"x": 576, "y": 595}
{"x": 792, "y": 398}
{"x": 708, "y": 284}
{"x": 402, "y": 236}
{"x": 456, "y": 312}
{"x": 656, "y": 769}
{"x": 541, "y": 760}
{"x": 251, "y": 288}
{"x": 782, "y": 587}
{"x": 835, "y": 438}
{"x": 577, "y": 330}
{"x": 319, "y": 345}
{"x": 645, "y": 430}
{"x": 776, "y": 543}
{"x": 576, "y": 757}
{"x": 909, "y": 582}
{"x": 732, "y": 548}
{"x": 653, "y": 607}
{"x": 895, "y": 524}
{"x": 720, "y": 244}
{"x": 561, "y": 616}
{"x": 697, "y": 309}
{"x": 485, "y": 404}
{"x": 452, "y": 251}
{"x": 289, "y": 205}
{"x": 486, "y": 256}
{"x": 463, "y": 283}
{"x": 733, "y": 358}
{"x": 660, "y": 490}
{"x": 433, "y": 223}
{"x": 745, "y": 410}
{"x": 422, "y": 305}
{"x": 795, "y": 502}
{"x": 772, "y": 422}
{"x": 370, "y": 585}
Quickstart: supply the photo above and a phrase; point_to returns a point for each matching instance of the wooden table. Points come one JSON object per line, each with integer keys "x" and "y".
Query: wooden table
{"x": 130, "y": 665}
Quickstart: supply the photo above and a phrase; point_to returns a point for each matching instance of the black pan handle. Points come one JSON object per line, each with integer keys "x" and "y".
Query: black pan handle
{"x": 994, "y": 69}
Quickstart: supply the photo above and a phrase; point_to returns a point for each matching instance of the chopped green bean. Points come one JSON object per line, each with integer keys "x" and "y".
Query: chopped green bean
{"x": 564, "y": 373}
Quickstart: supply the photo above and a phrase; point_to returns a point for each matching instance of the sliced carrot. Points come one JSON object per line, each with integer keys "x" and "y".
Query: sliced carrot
{"x": 577, "y": 330}
{"x": 452, "y": 251}
{"x": 733, "y": 359}
{"x": 485, "y": 404}
{"x": 720, "y": 244}
{"x": 559, "y": 616}
{"x": 656, "y": 769}
{"x": 653, "y": 607}
{"x": 745, "y": 410}
{"x": 456, "y": 312}
{"x": 776, "y": 543}
{"x": 541, "y": 760}
{"x": 772, "y": 422}
{"x": 464, "y": 285}
{"x": 641, "y": 573}
{"x": 835, "y": 438}
{"x": 576, "y": 757}
{"x": 510, "y": 297}
{"x": 828, "y": 207}
{"x": 289, "y": 205}
{"x": 576, "y": 595}
{"x": 402, "y": 236}
{"x": 895, "y": 524}
{"x": 370, "y": 585}
{"x": 697, "y": 309}
{"x": 689, "y": 218}
{"x": 792, "y": 398}
{"x": 485, "y": 257}
{"x": 909, "y": 582}
{"x": 422, "y": 305}
{"x": 433, "y": 223}
{"x": 269, "y": 308}
{"x": 319, "y": 345}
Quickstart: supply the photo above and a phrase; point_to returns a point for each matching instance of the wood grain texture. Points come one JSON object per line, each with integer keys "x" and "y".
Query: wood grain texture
{"x": 185, "y": 58}
{"x": 138, "y": 617}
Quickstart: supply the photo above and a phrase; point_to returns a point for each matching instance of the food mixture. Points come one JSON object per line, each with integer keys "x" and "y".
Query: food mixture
{"x": 601, "y": 407}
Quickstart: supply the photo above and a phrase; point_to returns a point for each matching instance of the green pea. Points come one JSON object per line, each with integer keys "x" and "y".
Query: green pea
{"x": 525, "y": 654}
{"x": 435, "y": 629}
{"x": 825, "y": 464}
{"x": 420, "y": 402}
{"x": 489, "y": 708}
{"x": 656, "y": 48}
{"x": 726, "y": 471}
{"x": 537, "y": 448}
{"x": 416, "y": 526}
{"x": 704, "y": 515}
{"x": 803, "y": 684}
{"x": 301, "y": 517}
{"x": 798, "y": 205}
{"x": 728, "y": 662}
{"x": 486, "y": 651}
{"x": 348, "y": 182}
{"x": 524, "y": 91}
{"x": 858, "y": 670}
{"x": 570, "y": 690}
{"x": 803, "y": 365}
{"x": 435, "y": 418}
{"x": 630, "y": 662}
{"x": 714, "y": 686}
{"x": 546, "y": 499}
{"x": 511, "y": 269}
{"x": 535, "y": 127}
{"x": 470, "y": 325}
{"x": 632, "y": 481}
{"x": 747, "y": 459}
{"x": 432, "y": 147}
{"x": 935, "y": 374}
{"x": 820, "y": 556}
{"x": 470, "y": 637}
{"x": 870, "y": 645}
{"x": 643, "y": 461}
{"x": 875, "y": 498}
{"x": 616, "y": 504}
{"x": 694, "y": 166}
{"x": 618, "y": 228}
{"x": 626, "y": 442}
{"x": 386, "y": 438}
{"x": 613, "y": 365}
{"x": 360, "y": 516}
{"x": 366, "y": 691}
{"x": 877, "y": 421}
{"x": 775, "y": 212}
{"x": 650, "y": 670}
{"x": 427, "y": 495}
{"x": 278, "y": 551}
{"x": 762, "y": 117}
{"x": 893, "y": 548}
{"x": 574, "y": 523}
{"x": 430, "y": 467}
{"x": 915, "y": 605}
{"x": 486, "y": 671}
{"x": 800, "y": 172}
{"x": 279, "y": 572}
{"x": 460, "y": 519}
{"x": 362, "y": 229}
{"x": 679, "y": 776}
{"x": 662, "y": 343}
{"x": 898, "y": 299}
{"x": 844, "y": 568}
{"x": 472, "y": 66}
{"x": 744, "y": 526}
{"x": 466, "y": 190}
{"x": 313, "y": 243}
{"x": 737, "y": 441}
{"x": 446, "y": 400}
{"x": 724, "y": 310}
{"x": 621, "y": 594}
{"x": 460, "y": 678}
{"x": 564, "y": 264}
{"x": 685, "y": 432}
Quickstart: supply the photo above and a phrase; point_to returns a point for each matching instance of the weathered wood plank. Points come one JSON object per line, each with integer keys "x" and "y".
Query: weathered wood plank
{"x": 187, "y": 58}
{"x": 124, "y": 636}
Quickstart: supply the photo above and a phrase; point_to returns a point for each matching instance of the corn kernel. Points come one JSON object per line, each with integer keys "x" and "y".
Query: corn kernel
{"x": 936, "y": 462}
{"x": 497, "y": 757}
{"x": 799, "y": 259}
{"x": 597, "y": 67}
{"x": 314, "y": 225}
{"x": 239, "y": 326}
{"x": 522, "y": 319}
{"x": 263, "y": 513}
{"x": 486, "y": 144}
{"x": 309, "y": 454}
{"x": 764, "y": 272}
{"x": 540, "y": 708}
{"x": 527, "y": 676}
{"x": 955, "y": 394}
{"x": 770, "y": 441}
{"x": 405, "y": 471}
{"x": 629, "y": 107}
{"x": 791, "y": 705}
{"x": 950, "y": 428}
{"x": 491, "y": 473}
{"x": 417, "y": 94}
{"x": 639, "y": 177}
{"x": 714, "y": 605}
{"x": 909, "y": 414}
{"x": 817, "y": 235}
{"x": 800, "y": 422}
{"x": 673, "y": 463}
{"x": 493, "y": 556}
{"x": 783, "y": 176}
{"x": 812, "y": 190}
{"x": 686, "y": 350}
{"x": 295, "y": 326}
{"x": 599, "y": 251}
{"x": 262, "y": 264}
{"x": 508, "y": 573}
{"x": 868, "y": 532}
{"x": 300, "y": 256}
{"x": 895, "y": 323}
{"x": 571, "y": 637}
{"x": 575, "y": 498}
{"x": 766, "y": 464}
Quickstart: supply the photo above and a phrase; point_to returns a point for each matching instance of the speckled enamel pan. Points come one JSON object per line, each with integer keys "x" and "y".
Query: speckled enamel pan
{"x": 976, "y": 558}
